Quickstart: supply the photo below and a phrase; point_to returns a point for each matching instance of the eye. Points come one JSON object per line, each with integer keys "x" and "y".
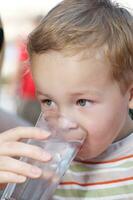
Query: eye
{"x": 47, "y": 102}
{"x": 83, "y": 102}
{"x": 49, "y": 108}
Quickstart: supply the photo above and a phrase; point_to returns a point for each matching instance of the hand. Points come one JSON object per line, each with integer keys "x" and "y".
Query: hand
{"x": 16, "y": 171}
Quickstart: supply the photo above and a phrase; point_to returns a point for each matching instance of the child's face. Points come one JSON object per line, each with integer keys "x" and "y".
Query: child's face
{"x": 82, "y": 90}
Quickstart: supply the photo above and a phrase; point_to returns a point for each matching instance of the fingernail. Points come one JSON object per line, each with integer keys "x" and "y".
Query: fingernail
{"x": 46, "y": 156}
{"x": 35, "y": 171}
{"x": 45, "y": 133}
{"x": 21, "y": 179}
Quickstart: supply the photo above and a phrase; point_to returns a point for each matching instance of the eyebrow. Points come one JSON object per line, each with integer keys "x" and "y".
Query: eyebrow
{"x": 41, "y": 93}
{"x": 90, "y": 92}
{"x": 87, "y": 92}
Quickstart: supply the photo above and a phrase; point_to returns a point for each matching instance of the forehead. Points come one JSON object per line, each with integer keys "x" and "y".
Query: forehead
{"x": 56, "y": 74}
{"x": 60, "y": 76}
{"x": 85, "y": 68}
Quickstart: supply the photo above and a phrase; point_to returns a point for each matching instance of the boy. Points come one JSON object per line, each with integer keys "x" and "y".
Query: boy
{"x": 82, "y": 64}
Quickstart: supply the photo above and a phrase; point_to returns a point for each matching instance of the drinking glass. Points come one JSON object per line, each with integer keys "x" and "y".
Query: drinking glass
{"x": 63, "y": 146}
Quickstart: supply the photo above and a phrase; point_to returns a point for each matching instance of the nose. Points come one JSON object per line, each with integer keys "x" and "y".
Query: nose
{"x": 66, "y": 123}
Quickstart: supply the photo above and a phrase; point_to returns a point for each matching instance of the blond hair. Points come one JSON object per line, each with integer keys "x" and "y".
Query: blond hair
{"x": 84, "y": 24}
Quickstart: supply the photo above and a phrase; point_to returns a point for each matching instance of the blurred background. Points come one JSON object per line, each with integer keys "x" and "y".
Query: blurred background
{"x": 17, "y": 92}
{"x": 19, "y": 19}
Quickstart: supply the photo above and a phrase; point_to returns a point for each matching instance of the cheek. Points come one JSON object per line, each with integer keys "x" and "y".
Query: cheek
{"x": 107, "y": 124}
{"x": 104, "y": 126}
{"x": 110, "y": 115}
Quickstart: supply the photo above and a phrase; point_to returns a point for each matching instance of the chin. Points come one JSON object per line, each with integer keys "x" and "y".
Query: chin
{"x": 84, "y": 156}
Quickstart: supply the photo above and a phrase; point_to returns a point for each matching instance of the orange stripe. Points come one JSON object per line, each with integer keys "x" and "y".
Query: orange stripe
{"x": 107, "y": 161}
{"x": 97, "y": 183}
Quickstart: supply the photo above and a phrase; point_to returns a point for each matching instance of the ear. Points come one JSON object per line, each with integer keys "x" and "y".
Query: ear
{"x": 131, "y": 97}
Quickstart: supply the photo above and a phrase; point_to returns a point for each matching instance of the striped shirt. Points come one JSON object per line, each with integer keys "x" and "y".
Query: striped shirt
{"x": 108, "y": 177}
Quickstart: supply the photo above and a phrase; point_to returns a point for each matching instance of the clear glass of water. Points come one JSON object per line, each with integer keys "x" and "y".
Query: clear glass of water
{"x": 63, "y": 150}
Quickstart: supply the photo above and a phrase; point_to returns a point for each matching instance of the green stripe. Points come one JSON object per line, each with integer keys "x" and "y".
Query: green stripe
{"x": 95, "y": 193}
{"x": 127, "y": 164}
{"x": 84, "y": 168}
{"x": 80, "y": 168}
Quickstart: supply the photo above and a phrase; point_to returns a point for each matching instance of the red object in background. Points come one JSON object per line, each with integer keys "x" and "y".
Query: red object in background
{"x": 2, "y": 186}
{"x": 26, "y": 84}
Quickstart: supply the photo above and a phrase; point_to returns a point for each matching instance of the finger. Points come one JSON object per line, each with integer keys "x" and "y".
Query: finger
{"x": 47, "y": 175}
{"x": 18, "y": 167}
{"x": 21, "y": 149}
{"x": 8, "y": 177}
{"x": 24, "y": 133}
